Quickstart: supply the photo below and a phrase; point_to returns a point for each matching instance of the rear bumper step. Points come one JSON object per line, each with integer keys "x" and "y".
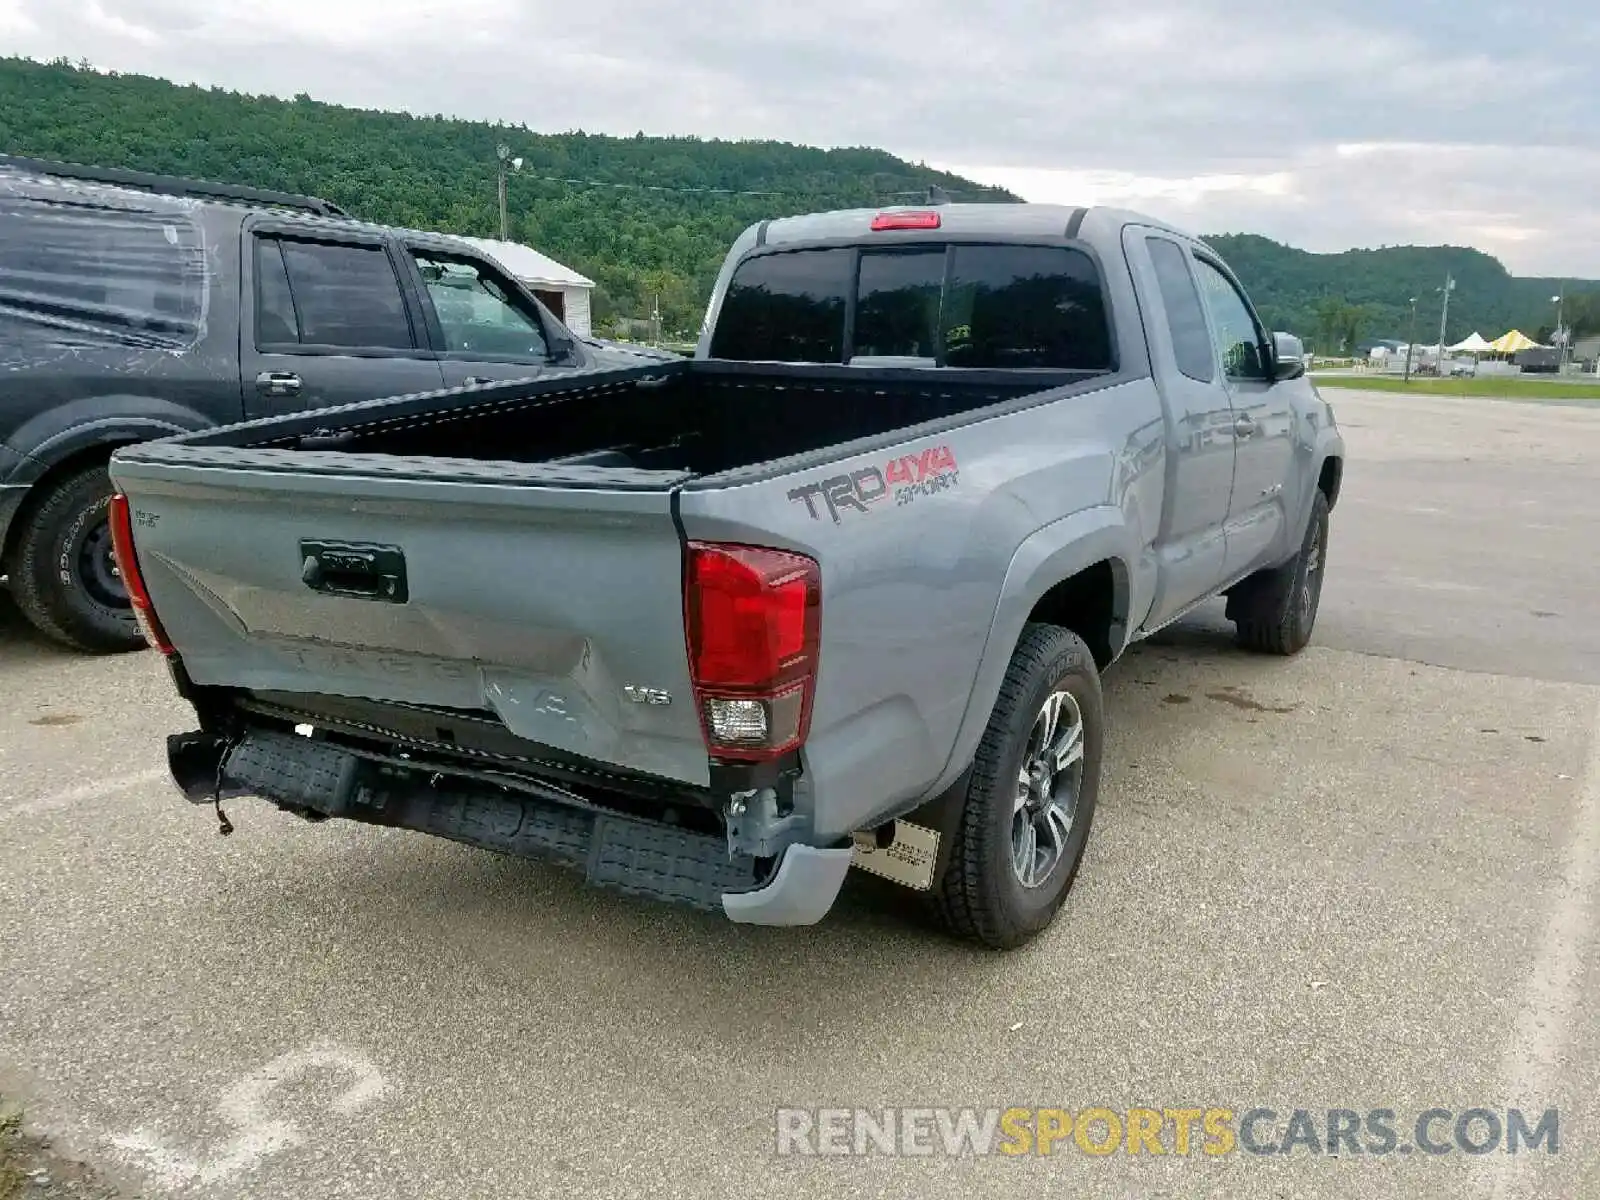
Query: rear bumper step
{"x": 614, "y": 851}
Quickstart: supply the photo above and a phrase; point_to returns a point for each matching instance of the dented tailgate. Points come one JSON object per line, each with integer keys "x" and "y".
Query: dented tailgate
{"x": 546, "y": 596}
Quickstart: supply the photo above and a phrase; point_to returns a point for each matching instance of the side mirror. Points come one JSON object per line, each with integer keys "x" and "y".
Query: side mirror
{"x": 1288, "y": 357}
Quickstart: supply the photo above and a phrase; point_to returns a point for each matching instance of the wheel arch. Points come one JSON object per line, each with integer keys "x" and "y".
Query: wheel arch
{"x": 1330, "y": 478}
{"x": 56, "y": 446}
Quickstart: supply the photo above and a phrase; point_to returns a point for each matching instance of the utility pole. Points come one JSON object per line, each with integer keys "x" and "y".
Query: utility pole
{"x": 1560, "y": 336}
{"x": 1444, "y": 316}
{"x": 1411, "y": 340}
{"x": 503, "y": 155}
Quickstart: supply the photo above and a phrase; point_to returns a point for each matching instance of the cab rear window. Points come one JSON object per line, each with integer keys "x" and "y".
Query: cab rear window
{"x": 786, "y": 307}
{"x": 964, "y": 305}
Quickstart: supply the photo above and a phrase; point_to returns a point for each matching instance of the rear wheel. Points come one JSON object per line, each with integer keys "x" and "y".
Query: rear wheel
{"x": 1031, "y": 798}
{"x": 65, "y": 578}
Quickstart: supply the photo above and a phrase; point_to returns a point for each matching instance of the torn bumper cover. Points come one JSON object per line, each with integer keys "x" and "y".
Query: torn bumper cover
{"x": 624, "y": 853}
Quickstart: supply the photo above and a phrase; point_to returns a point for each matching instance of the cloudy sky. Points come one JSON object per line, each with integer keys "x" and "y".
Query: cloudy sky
{"x": 1326, "y": 124}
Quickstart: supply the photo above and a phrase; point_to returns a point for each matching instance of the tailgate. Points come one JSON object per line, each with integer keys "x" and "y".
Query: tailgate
{"x": 535, "y": 593}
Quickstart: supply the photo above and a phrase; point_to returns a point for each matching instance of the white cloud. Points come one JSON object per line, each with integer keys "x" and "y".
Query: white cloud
{"x": 1527, "y": 205}
{"x": 15, "y": 22}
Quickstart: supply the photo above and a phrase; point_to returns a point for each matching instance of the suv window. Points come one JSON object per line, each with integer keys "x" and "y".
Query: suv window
{"x": 1186, "y": 320}
{"x": 786, "y": 307}
{"x": 1234, "y": 332}
{"x": 276, "y": 321}
{"x": 478, "y": 312}
{"x": 343, "y": 295}
{"x": 100, "y": 276}
{"x": 1025, "y": 306}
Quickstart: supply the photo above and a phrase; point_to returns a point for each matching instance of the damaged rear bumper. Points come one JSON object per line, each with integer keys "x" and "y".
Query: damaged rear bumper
{"x": 511, "y": 815}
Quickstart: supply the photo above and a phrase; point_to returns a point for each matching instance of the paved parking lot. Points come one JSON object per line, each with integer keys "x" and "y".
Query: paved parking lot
{"x": 1365, "y": 878}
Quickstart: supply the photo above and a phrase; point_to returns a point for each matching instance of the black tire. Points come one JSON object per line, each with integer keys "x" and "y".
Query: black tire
{"x": 1274, "y": 612}
{"x": 62, "y": 577}
{"x": 982, "y": 897}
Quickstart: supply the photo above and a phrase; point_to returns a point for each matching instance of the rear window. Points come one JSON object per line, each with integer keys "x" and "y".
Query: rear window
{"x": 787, "y": 308}
{"x": 897, "y": 305}
{"x": 977, "y": 306}
{"x": 81, "y": 275}
{"x": 1025, "y": 306}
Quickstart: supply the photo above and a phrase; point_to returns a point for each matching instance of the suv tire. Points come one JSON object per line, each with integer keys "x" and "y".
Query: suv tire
{"x": 1275, "y": 611}
{"x": 64, "y": 578}
{"x": 984, "y": 896}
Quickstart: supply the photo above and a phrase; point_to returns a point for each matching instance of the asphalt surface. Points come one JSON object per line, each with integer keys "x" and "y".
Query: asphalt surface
{"x": 1364, "y": 878}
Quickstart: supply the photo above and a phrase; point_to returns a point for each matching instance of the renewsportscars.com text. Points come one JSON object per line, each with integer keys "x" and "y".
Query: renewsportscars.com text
{"x": 1208, "y": 1132}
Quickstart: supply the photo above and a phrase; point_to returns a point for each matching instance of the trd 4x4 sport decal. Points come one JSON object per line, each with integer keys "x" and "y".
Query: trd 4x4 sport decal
{"x": 905, "y": 478}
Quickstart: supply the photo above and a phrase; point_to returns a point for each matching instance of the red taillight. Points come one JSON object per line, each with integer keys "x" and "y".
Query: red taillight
{"x": 128, "y": 564}
{"x": 752, "y": 617}
{"x": 904, "y": 220}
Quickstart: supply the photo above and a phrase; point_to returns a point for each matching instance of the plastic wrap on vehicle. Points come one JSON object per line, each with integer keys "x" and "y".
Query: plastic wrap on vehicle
{"x": 79, "y": 273}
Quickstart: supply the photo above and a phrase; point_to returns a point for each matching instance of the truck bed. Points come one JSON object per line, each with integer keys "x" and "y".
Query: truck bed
{"x": 667, "y": 421}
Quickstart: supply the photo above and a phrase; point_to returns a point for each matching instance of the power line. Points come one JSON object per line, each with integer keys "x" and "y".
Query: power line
{"x": 921, "y": 193}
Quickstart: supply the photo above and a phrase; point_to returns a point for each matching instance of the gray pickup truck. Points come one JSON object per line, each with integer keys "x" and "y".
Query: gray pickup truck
{"x": 834, "y": 592}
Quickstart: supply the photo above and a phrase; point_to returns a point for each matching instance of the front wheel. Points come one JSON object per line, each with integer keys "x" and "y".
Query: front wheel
{"x": 1275, "y": 611}
{"x": 1030, "y": 802}
{"x": 65, "y": 579}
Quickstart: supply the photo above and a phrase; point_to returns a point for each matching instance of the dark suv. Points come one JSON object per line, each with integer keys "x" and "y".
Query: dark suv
{"x": 137, "y": 306}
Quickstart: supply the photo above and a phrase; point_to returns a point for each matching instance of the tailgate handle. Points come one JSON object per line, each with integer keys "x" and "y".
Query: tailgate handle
{"x": 357, "y": 570}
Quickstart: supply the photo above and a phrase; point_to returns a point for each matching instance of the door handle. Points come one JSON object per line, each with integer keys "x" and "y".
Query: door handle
{"x": 1245, "y": 426}
{"x": 278, "y": 383}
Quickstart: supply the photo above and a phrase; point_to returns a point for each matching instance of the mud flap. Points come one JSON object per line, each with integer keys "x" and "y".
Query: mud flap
{"x": 920, "y": 851}
{"x": 909, "y": 860}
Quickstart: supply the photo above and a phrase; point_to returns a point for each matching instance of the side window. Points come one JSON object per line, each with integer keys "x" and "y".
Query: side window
{"x": 1236, "y": 337}
{"x": 347, "y": 296}
{"x": 276, "y": 323}
{"x": 479, "y": 313}
{"x": 1012, "y": 307}
{"x": 786, "y": 307}
{"x": 81, "y": 275}
{"x": 1186, "y": 320}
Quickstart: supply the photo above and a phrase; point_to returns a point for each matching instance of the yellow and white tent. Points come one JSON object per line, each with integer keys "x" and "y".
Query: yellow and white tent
{"x": 1510, "y": 343}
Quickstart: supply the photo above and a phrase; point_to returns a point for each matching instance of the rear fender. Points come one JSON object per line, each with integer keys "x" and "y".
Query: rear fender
{"x": 1056, "y": 552}
{"x": 66, "y": 430}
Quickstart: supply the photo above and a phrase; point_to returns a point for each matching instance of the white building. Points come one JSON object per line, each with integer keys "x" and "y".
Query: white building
{"x": 560, "y": 289}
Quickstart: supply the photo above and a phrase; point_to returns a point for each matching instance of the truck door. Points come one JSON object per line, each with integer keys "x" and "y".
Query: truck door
{"x": 326, "y": 321}
{"x": 1200, "y": 441}
{"x": 483, "y": 324}
{"x": 1263, "y": 421}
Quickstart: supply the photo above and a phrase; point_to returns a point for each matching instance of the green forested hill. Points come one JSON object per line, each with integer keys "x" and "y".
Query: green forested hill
{"x": 638, "y": 243}
{"x": 1320, "y": 295}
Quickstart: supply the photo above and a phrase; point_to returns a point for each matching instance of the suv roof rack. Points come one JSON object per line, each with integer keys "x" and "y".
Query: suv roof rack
{"x": 175, "y": 185}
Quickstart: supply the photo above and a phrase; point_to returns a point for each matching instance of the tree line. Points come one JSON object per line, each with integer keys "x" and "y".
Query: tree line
{"x": 1339, "y": 301}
